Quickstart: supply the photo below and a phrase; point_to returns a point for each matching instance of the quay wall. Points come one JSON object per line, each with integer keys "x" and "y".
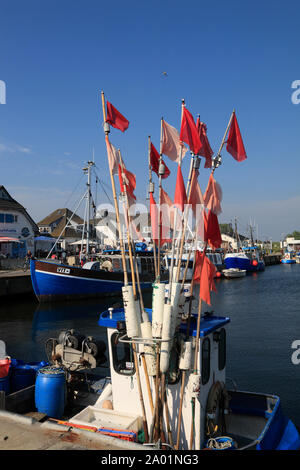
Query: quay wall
{"x": 272, "y": 259}
{"x": 12, "y": 284}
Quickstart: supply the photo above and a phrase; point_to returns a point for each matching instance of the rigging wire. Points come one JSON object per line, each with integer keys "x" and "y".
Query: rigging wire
{"x": 76, "y": 186}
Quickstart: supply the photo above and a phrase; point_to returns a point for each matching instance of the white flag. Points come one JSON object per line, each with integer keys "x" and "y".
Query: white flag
{"x": 113, "y": 156}
{"x": 171, "y": 145}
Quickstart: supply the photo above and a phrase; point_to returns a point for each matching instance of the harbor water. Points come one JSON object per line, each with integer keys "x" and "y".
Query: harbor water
{"x": 264, "y": 309}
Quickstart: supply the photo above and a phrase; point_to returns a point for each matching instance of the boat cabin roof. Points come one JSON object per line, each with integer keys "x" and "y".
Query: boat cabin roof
{"x": 208, "y": 324}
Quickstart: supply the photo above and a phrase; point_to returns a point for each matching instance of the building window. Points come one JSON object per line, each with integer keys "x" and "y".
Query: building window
{"x": 2, "y": 218}
{"x": 205, "y": 361}
{"x": 9, "y": 218}
{"x": 122, "y": 355}
{"x": 222, "y": 349}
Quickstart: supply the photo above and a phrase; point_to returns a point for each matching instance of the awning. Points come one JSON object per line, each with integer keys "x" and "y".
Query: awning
{"x": 9, "y": 240}
{"x": 84, "y": 242}
{"x": 44, "y": 239}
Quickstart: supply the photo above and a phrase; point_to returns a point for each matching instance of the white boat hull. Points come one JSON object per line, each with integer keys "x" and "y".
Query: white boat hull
{"x": 234, "y": 272}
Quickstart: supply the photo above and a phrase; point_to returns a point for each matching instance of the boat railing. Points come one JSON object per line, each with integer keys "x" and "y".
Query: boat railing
{"x": 146, "y": 341}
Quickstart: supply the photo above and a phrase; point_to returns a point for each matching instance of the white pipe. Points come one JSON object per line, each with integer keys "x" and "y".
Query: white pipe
{"x": 131, "y": 313}
{"x": 158, "y": 301}
{"x": 146, "y": 330}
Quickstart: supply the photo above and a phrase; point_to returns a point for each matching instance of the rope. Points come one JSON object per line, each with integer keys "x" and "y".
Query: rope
{"x": 216, "y": 443}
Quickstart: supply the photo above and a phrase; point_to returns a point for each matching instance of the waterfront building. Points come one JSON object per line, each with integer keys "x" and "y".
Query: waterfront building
{"x": 290, "y": 244}
{"x": 58, "y": 223}
{"x": 17, "y": 228}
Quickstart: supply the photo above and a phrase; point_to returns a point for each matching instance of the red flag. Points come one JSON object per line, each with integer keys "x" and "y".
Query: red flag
{"x": 166, "y": 219}
{"x": 204, "y": 274}
{"x": 235, "y": 144}
{"x": 206, "y": 150}
{"x": 115, "y": 118}
{"x": 167, "y": 216}
{"x": 180, "y": 198}
{"x": 154, "y": 162}
{"x": 189, "y": 133}
{"x": 129, "y": 183}
{"x": 213, "y": 196}
{"x": 196, "y": 197}
{"x": 212, "y": 231}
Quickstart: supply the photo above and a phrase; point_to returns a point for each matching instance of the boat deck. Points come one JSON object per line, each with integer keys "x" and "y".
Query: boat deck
{"x": 19, "y": 432}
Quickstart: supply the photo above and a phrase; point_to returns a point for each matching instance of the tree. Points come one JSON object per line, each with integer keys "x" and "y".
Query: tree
{"x": 295, "y": 235}
{"x": 226, "y": 229}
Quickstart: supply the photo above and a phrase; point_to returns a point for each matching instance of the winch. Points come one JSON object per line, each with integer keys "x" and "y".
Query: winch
{"x": 75, "y": 352}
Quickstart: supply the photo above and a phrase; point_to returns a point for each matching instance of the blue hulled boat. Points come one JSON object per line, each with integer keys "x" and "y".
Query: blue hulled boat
{"x": 288, "y": 258}
{"x": 247, "y": 259}
{"x": 53, "y": 281}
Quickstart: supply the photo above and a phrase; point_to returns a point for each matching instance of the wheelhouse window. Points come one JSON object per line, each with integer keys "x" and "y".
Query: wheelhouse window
{"x": 222, "y": 349}
{"x": 122, "y": 354}
{"x": 205, "y": 361}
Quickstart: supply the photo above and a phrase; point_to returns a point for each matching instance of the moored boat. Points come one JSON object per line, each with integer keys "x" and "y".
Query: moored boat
{"x": 53, "y": 281}
{"x": 248, "y": 259}
{"x": 288, "y": 258}
{"x": 234, "y": 273}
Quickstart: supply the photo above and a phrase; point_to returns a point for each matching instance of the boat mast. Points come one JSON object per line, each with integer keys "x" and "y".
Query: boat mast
{"x": 90, "y": 164}
{"x": 236, "y": 236}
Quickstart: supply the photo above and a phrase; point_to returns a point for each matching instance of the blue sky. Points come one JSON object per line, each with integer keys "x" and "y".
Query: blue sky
{"x": 57, "y": 56}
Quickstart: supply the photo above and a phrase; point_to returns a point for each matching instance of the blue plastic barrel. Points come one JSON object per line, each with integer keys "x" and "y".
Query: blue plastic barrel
{"x": 23, "y": 374}
{"x": 50, "y": 391}
{"x": 4, "y": 384}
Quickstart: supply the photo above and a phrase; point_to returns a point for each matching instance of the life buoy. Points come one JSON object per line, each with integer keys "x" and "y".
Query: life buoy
{"x": 216, "y": 407}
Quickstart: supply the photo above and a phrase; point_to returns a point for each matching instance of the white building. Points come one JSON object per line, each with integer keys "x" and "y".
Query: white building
{"x": 290, "y": 244}
{"x": 17, "y": 229}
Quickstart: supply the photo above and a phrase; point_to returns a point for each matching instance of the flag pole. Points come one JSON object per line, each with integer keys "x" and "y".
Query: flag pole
{"x": 195, "y": 163}
{"x": 196, "y": 356}
{"x": 175, "y": 221}
{"x": 151, "y": 190}
{"x": 218, "y": 158}
{"x": 106, "y": 130}
{"x": 161, "y": 171}
{"x": 130, "y": 248}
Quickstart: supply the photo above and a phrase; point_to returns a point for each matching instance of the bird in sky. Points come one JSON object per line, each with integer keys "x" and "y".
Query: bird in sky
{"x": 165, "y": 74}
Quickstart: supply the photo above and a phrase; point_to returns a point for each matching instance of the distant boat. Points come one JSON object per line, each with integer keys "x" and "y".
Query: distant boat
{"x": 247, "y": 259}
{"x": 288, "y": 258}
{"x": 234, "y": 272}
{"x": 214, "y": 257}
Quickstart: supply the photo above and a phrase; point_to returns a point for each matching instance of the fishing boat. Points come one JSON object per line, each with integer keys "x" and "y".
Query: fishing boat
{"x": 187, "y": 260}
{"x": 244, "y": 257}
{"x": 209, "y": 414}
{"x": 248, "y": 259}
{"x": 55, "y": 281}
{"x": 288, "y": 258}
{"x": 233, "y": 273}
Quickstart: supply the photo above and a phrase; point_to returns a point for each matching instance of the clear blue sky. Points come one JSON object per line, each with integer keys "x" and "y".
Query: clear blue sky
{"x": 57, "y": 56}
